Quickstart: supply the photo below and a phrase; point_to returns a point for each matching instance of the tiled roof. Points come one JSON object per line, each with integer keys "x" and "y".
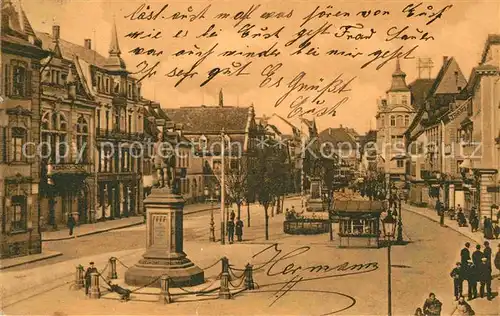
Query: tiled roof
{"x": 69, "y": 50}
{"x": 206, "y": 119}
{"x": 419, "y": 91}
{"x": 336, "y": 135}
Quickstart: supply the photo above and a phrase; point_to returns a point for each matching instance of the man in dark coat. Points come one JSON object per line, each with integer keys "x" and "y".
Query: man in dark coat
{"x": 239, "y": 229}
{"x": 485, "y": 279}
{"x": 465, "y": 254}
{"x": 91, "y": 269}
{"x": 457, "y": 276}
{"x": 477, "y": 256}
{"x": 432, "y": 306}
{"x": 71, "y": 224}
{"x": 230, "y": 231}
{"x": 487, "y": 253}
{"x": 470, "y": 274}
{"x": 488, "y": 228}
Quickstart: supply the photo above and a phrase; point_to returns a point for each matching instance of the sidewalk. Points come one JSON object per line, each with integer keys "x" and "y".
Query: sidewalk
{"x": 431, "y": 214}
{"x": 101, "y": 227}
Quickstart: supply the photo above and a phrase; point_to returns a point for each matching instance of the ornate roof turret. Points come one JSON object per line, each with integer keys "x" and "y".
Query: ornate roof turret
{"x": 398, "y": 80}
{"x": 115, "y": 62}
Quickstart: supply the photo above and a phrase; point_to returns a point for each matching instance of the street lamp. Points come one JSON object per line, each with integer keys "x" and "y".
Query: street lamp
{"x": 212, "y": 223}
{"x": 439, "y": 178}
{"x": 389, "y": 227}
{"x": 326, "y": 200}
{"x": 400, "y": 222}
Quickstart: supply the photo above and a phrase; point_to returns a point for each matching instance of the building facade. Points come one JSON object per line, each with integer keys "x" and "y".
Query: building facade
{"x": 20, "y": 115}
{"x": 93, "y": 106}
{"x": 394, "y": 115}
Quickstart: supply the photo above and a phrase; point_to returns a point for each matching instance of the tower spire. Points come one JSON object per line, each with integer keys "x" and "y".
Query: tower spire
{"x": 398, "y": 79}
{"x": 115, "y": 62}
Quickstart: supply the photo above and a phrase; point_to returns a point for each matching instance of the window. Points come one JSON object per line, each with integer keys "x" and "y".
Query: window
{"x": 400, "y": 163}
{"x": 129, "y": 91}
{"x": 82, "y": 134}
{"x": 358, "y": 227}
{"x": 55, "y": 76}
{"x": 393, "y": 120}
{"x": 107, "y": 121}
{"x": 116, "y": 125}
{"x": 18, "y": 141}
{"x": 407, "y": 120}
{"x": 130, "y": 123}
{"x": 404, "y": 100}
{"x": 107, "y": 85}
{"x": 19, "y": 81}
{"x": 19, "y": 213}
{"x": 382, "y": 121}
{"x": 399, "y": 120}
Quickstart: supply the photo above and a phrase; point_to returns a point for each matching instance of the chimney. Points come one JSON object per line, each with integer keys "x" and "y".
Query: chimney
{"x": 88, "y": 43}
{"x": 445, "y": 59}
{"x": 56, "y": 30}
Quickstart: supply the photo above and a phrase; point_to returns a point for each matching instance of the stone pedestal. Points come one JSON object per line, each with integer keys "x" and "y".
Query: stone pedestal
{"x": 164, "y": 245}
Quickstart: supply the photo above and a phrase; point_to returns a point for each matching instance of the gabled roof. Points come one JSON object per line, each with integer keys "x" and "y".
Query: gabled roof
{"x": 337, "y": 135}
{"x": 444, "y": 83}
{"x": 70, "y": 50}
{"x": 210, "y": 119}
{"x": 492, "y": 39}
{"x": 419, "y": 91}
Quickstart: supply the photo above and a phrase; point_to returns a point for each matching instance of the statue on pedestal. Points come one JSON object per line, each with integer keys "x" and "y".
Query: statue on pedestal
{"x": 164, "y": 164}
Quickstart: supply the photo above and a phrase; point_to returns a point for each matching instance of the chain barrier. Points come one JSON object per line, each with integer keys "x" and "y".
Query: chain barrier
{"x": 121, "y": 262}
{"x": 202, "y": 291}
{"x": 105, "y": 267}
{"x": 231, "y": 272}
{"x": 237, "y": 286}
{"x": 212, "y": 265}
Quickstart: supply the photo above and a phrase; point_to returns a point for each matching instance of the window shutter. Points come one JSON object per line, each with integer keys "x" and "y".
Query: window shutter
{"x": 29, "y": 87}
{"x": 7, "y": 80}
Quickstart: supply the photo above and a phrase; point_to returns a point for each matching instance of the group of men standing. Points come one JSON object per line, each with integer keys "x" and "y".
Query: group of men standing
{"x": 474, "y": 268}
{"x": 233, "y": 226}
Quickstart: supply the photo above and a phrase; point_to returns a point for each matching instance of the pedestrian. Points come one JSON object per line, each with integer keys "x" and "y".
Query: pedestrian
{"x": 485, "y": 279}
{"x": 462, "y": 222}
{"x": 239, "y": 229}
{"x": 487, "y": 228}
{"x": 91, "y": 269}
{"x": 463, "y": 308}
{"x": 71, "y": 224}
{"x": 472, "y": 213}
{"x": 496, "y": 230}
{"x": 474, "y": 223}
{"x": 230, "y": 231}
{"x": 457, "y": 276}
{"x": 432, "y": 306}
{"x": 419, "y": 312}
{"x": 487, "y": 253}
{"x": 232, "y": 216}
{"x": 477, "y": 256}
{"x": 459, "y": 208}
{"x": 465, "y": 254}
{"x": 497, "y": 258}
{"x": 471, "y": 275}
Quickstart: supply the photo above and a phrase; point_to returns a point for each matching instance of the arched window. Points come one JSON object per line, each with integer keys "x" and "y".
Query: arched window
{"x": 399, "y": 120}
{"x": 407, "y": 120}
{"x": 82, "y": 135}
{"x": 393, "y": 120}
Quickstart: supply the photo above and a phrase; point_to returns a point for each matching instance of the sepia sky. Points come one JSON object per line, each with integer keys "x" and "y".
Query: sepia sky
{"x": 461, "y": 32}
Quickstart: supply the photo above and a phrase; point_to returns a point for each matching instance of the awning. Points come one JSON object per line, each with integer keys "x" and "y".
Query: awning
{"x": 466, "y": 164}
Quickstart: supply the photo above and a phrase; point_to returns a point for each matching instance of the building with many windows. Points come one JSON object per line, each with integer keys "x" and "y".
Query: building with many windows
{"x": 394, "y": 115}
{"x": 19, "y": 133}
{"x": 93, "y": 126}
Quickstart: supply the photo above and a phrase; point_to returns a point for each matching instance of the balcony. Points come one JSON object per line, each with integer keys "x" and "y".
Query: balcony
{"x": 69, "y": 169}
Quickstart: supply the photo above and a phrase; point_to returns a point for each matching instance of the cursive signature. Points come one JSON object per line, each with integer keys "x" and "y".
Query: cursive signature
{"x": 277, "y": 263}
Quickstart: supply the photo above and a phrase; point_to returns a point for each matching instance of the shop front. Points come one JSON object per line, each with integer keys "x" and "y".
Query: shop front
{"x": 357, "y": 223}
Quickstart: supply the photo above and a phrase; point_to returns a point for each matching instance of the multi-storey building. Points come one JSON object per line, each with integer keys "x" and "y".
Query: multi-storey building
{"x": 479, "y": 131}
{"x": 92, "y": 104}
{"x": 237, "y": 124}
{"x": 428, "y": 134}
{"x": 19, "y": 133}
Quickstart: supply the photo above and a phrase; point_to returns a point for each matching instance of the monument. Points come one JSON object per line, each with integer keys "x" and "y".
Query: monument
{"x": 164, "y": 233}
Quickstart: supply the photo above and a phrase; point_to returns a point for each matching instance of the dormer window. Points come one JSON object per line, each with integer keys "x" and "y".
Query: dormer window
{"x": 404, "y": 100}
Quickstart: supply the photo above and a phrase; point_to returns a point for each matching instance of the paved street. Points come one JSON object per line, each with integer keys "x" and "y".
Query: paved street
{"x": 430, "y": 255}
